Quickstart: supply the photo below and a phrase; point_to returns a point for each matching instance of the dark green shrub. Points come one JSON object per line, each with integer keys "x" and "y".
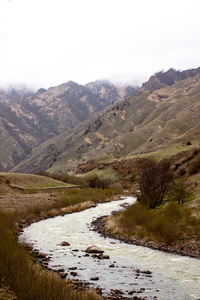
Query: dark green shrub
{"x": 99, "y": 181}
{"x": 134, "y": 219}
{"x": 179, "y": 191}
{"x": 163, "y": 230}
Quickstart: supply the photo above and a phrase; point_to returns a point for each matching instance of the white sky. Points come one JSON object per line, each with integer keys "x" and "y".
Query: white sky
{"x": 44, "y": 43}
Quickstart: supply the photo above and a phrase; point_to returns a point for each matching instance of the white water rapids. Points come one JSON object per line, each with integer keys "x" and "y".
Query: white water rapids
{"x": 173, "y": 277}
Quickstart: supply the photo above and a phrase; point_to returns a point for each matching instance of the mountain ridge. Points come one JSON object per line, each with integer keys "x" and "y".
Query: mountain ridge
{"x": 146, "y": 122}
{"x": 28, "y": 120}
{"x": 168, "y": 78}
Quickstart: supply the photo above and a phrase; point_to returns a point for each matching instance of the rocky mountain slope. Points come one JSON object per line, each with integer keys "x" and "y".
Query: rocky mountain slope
{"x": 27, "y": 119}
{"x": 163, "y": 79}
{"x": 14, "y": 93}
{"x": 165, "y": 119}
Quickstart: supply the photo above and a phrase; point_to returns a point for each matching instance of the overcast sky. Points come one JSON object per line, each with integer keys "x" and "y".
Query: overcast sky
{"x": 44, "y": 43}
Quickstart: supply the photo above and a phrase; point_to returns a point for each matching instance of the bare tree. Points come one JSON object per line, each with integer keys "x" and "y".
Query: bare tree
{"x": 154, "y": 178}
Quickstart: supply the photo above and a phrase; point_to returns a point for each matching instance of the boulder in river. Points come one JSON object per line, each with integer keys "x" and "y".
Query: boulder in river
{"x": 41, "y": 255}
{"x": 101, "y": 256}
{"x": 94, "y": 278}
{"x": 63, "y": 275}
{"x": 94, "y": 249}
{"x": 64, "y": 243}
{"x": 73, "y": 273}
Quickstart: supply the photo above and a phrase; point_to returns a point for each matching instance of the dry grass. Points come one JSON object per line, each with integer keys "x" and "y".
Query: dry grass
{"x": 30, "y": 181}
{"x": 27, "y": 279}
{"x": 167, "y": 225}
{"x": 112, "y": 224}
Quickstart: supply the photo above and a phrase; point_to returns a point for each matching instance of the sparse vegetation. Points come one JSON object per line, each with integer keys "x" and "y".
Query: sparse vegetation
{"x": 167, "y": 225}
{"x": 96, "y": 179}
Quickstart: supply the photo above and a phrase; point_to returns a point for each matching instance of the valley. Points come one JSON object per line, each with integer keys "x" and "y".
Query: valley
{"x": 70, "y": 147}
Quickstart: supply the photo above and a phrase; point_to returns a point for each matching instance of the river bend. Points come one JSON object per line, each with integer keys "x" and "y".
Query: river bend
{"x": 173, "y": 277}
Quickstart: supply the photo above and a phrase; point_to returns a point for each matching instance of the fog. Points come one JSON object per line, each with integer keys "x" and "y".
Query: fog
{"x": 46, "y": 43}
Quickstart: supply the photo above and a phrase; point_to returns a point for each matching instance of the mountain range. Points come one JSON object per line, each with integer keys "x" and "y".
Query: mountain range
{"x": 28, "y": 119}
{"x": 161, "y": 118}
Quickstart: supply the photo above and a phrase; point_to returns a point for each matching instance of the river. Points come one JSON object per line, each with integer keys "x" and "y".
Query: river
{"x": 172, "y": 276}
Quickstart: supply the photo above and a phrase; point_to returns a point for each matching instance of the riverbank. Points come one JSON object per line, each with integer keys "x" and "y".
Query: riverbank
{"x": 22, "y": 209}
{"x": 60, "y": 211}
{"x": 123, "y": 270}
{"x": 186, "y": 247}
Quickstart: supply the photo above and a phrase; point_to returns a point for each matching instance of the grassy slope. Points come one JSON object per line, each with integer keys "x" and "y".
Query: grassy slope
{"x": 30, "y": 181}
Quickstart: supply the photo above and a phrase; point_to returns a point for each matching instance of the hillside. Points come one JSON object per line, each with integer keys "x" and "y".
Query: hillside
{"x": 162, "y": 121}
{"x": 31, "y": 182}
{"x": 27, "y": 119}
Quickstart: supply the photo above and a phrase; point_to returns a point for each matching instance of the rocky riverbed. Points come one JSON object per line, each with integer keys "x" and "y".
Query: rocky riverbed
{"x": 79, "y": 285}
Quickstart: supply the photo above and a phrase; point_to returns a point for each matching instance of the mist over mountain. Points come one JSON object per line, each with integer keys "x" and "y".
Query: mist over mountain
{"x": 14, "y": 93}
{"x": 150, "y": 120}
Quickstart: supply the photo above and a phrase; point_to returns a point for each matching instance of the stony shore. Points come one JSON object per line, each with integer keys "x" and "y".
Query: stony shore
{"x": 187, "y": 247}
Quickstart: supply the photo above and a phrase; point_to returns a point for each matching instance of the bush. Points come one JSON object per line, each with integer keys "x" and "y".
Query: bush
{"x": 102, "y": 178}
{"x": 65, "y": 177}
{"x": 135, "y": 215}
{"x": 179, "y": 191}
{"x": 166, "y": 225}
{"x": 98, "y": 181}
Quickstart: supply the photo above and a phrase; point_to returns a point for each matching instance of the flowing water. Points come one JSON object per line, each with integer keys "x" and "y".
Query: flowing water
{"x": 172, "y": 276}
